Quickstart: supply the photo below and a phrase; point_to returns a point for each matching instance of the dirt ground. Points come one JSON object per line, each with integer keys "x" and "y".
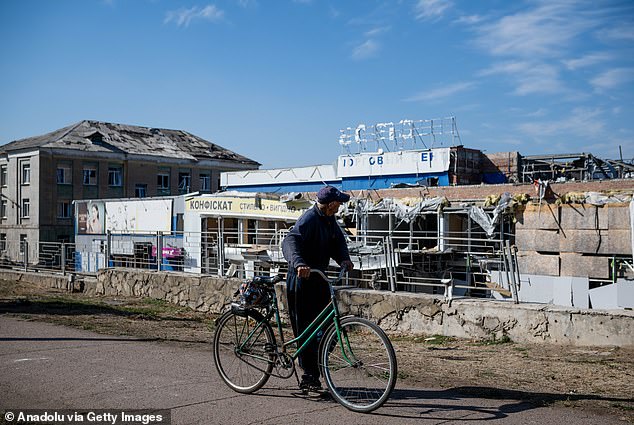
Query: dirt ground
{"x": 593, "y": 378}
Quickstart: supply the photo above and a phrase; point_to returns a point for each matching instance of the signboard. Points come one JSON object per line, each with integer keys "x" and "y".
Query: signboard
{"x": 91, "y": 217}
{"x": 139, "y": 216}
{"x": 242, "y": 207}
{"x": 393, "y": 163}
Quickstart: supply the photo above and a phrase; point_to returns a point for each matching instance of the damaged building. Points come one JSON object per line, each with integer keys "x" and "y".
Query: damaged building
{"x": 41, "y": 176}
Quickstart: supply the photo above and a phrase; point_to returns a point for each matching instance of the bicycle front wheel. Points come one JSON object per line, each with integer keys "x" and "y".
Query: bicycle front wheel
{"x": 358, "y": 364}
{"x": 244, "y": 350}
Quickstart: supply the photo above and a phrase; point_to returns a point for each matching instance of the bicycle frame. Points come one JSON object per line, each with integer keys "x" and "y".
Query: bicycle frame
{"x": 320, "y": 323}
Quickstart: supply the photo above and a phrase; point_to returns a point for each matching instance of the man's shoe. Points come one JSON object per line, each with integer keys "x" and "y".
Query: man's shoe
{"x": 310, "y": 385}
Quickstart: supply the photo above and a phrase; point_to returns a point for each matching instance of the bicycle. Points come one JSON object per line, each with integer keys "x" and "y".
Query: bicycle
{"x": 356, "y": 357}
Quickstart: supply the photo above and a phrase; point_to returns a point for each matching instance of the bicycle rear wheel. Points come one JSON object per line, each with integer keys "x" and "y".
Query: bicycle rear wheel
{"x": 243, "y": 350}
{"x": 360, "y": 368}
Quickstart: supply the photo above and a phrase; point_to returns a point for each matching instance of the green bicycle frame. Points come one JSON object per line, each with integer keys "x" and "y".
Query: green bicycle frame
{"x": 320, "y": 323}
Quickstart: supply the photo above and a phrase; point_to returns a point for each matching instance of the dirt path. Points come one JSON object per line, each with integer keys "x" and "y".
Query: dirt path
{"x": 585, "y": 377}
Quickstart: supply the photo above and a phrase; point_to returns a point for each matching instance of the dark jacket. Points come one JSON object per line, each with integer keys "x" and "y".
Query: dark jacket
{"x": 314, "y": 240}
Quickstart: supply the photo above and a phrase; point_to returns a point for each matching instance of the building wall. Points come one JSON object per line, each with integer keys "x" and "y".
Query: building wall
{"x": 44, "y": 223}
{"x": 15, "y": 192}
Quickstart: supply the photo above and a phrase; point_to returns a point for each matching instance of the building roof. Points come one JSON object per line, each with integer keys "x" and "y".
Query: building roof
{"x": 96, "y": 136}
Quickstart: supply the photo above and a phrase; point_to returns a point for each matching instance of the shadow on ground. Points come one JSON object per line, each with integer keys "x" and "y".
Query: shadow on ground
{"x": 69, "y": 308}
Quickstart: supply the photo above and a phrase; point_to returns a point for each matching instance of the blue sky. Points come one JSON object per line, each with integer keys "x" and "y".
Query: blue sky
{"x": 276, "y": 80}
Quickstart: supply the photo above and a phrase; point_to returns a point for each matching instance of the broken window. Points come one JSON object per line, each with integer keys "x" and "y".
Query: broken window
{"x": 163, "y": 181}
{"x": 90, "y": 176}
{"x": 205, "y": 183}
{"x": 115, "y": 176}
{"x": 184, "y": 182}
{"x": 140, "y": 191}
{"x": 64, "y": 174}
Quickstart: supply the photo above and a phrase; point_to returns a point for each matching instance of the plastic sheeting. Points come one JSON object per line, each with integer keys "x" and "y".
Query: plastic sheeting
{"x": 487, "y": 223}
{"x": 408, "y": 213}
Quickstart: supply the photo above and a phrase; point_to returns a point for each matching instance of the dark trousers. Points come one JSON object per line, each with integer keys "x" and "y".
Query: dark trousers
{"x": 306, "y": 299}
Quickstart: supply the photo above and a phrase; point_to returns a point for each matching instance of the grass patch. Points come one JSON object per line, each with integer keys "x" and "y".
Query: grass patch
{"x": 504, "y": 339}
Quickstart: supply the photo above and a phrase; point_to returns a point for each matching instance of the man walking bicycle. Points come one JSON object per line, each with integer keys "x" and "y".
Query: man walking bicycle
{"x": 311, "y": 243}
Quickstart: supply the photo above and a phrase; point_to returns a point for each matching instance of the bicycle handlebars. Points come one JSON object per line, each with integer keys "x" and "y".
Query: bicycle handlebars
{"x": 323, "y": 275}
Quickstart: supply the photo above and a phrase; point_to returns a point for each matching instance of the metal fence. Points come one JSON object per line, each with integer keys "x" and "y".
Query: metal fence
{"x": 451, "y": 263}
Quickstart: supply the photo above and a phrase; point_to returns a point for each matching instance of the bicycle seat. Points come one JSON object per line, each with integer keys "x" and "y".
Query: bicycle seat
{"x": 267, "y": 280}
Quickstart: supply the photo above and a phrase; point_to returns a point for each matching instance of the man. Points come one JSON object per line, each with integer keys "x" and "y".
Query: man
{"x": 311, "y": 243}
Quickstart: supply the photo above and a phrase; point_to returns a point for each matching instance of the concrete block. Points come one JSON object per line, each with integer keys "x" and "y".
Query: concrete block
{"x": 581, "y": 241}
{"x": 537, "y": 240}
{"x": 545, "y": 217}
{"x": 617, "y": 242}
{"x": 538, "y": 264}
{"x": 618, "y": 216}
{"x": 573, "y": 264}
{"x": 584, "y": 217}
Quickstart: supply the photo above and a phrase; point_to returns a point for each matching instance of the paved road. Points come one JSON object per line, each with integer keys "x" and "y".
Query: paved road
{"x": 43, "y": 366}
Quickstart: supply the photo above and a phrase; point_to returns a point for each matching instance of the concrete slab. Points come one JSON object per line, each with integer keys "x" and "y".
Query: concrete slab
{"x": 573, "y": 264}
{"x": 539, "y": 264}
{"x": 537, "y": 240}
{"x": 617, "y": 242}
{"x": 582, "y": 241}
{"x": 618, "y": 216}
{"x": 545, "y": 217}
{"x": 584, "y": 217}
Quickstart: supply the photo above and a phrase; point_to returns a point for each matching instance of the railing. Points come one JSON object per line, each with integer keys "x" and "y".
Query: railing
{"x": 412, "y": 261}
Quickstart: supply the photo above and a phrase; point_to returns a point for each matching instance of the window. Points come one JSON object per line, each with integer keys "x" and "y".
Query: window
{"x": 163, "y": 181}
{"x": 205, "y": 182}
{"x": 64, "y": 174}
{"x": 184, "y": 182}
{"x": 3, "y": 175}
{"x": 140, "y": 191}
{"x": 115, "y": 176}
{"x": 90, "y": 176}
{"x": 26, "y": 206}
{"x": 22, "y": 243}
{"x": 3, "y": 241}
{"x": 63, "y": 209}
{"x": 3, "y": 209}
{"x": 26, "y": 173}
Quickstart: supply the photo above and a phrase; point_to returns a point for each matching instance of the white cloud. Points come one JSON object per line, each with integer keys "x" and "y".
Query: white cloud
{"x": 538, "y": 113}
{"x": 620, "y": 32}
{"x": 246, "y": 3}
{"x": 431, "y": 9}
{"x": 587, "y": 60}
{"x": 365, "y": 50}
{"x": 441, "y": 92}
{"x": 183, "y": 17}
{"x": 582, "y": 122}
{"x": 544, "y": 31}
{"x": 469, "y": 20}
{"x": 377, "y": 31}
{"x": 529, "y": 77}
{"x": 613, "y": 78}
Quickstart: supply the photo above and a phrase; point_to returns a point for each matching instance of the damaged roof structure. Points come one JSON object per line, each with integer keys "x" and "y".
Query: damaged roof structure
{"x": 103, "y": 137}
{"x": 42, "y": 176}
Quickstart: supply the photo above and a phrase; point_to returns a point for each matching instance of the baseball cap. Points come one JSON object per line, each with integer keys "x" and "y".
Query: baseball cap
{"x": 330, "y": 193}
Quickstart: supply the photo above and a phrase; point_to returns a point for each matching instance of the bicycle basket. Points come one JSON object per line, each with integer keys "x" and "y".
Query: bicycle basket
{"x": 253, "y": 294}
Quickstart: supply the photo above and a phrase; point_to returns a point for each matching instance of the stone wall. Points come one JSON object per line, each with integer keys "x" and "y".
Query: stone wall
{"x": 401, "y": 312}
{"x": 202, "y": 293}
{"x": 397, "y": 313}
